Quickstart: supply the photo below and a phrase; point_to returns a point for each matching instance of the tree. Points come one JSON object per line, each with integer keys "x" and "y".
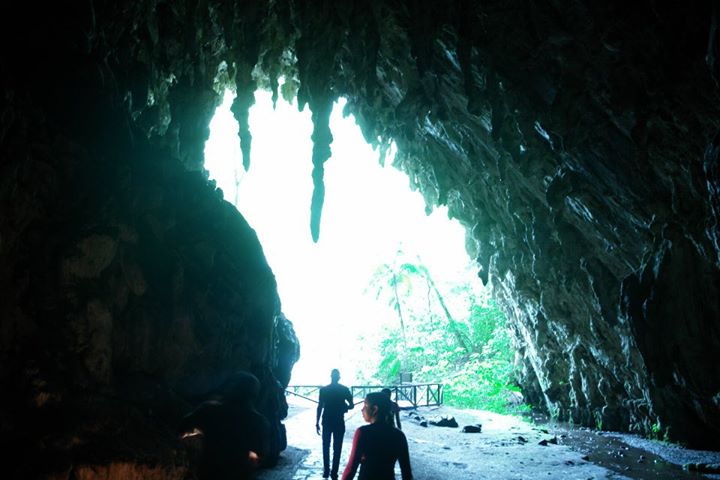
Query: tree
{"x": 397, "y": 280}
{"x": 422, "y": 271}
{"x": 471, "y": 353}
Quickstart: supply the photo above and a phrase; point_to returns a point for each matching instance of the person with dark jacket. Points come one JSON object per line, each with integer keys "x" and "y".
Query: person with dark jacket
{"x": 335, "y": 399}
{"x": 394, "y": 407}
{"x": 235, "y": 437}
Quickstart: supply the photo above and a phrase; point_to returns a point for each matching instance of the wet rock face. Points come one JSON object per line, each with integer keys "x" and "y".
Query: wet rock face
{"x": 576, "y": 142}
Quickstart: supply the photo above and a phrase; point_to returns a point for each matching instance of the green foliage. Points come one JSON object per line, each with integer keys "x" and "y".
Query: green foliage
{"x": 471, "y": 354}
{"x": 657, "y": 432}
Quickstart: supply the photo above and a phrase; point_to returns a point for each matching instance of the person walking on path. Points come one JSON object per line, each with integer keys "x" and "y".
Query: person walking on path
{"x": 395, "y": 408}
{"x": 377, "y": 446}
{"x": 335, "y": 399}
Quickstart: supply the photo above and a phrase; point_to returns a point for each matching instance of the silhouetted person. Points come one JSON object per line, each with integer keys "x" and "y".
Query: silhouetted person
{"x": 376, "y": 447}
{"x": 235, "y": 436}
{"x": 335, "y": 399}
{"x": 394, "y": 407}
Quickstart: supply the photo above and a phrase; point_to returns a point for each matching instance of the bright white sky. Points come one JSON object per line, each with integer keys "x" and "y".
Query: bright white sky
{"x": 369, "y": 212}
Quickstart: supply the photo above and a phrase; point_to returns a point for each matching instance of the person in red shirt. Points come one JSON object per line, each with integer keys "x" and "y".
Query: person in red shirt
{"x": 377, "y": 446}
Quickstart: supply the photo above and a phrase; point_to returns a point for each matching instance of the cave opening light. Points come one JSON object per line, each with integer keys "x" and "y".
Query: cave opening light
{"x": 369, "y": 215}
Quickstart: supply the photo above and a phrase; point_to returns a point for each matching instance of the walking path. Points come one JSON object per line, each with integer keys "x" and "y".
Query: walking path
{"x": 507, "y": 449}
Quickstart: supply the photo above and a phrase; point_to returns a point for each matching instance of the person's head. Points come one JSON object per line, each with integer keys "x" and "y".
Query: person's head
{"x": 241, "y": 387}
{"x": 387, "y": 392}
{"x": 335, "y": 375}
{"x": 377, "y": 408}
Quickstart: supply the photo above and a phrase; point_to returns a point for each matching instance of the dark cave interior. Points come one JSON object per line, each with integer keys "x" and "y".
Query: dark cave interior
{"x": 576, "y": 141}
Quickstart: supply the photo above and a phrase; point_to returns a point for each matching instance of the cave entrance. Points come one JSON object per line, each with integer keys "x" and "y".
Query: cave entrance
{"x": 387, "y": 289}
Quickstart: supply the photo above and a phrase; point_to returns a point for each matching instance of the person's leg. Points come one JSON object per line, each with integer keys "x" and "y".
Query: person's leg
{"x": 326, "y": 432}
{"x": 338, "y": 435}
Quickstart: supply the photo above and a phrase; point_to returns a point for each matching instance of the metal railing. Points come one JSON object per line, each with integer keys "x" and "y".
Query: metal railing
{"x": 308, "y": 392}
{"x": 407, "y": 395}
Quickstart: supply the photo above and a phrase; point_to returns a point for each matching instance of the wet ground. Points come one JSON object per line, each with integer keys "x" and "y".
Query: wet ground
{"x": 507, "y": 448}
{"x": 647, "y": 460}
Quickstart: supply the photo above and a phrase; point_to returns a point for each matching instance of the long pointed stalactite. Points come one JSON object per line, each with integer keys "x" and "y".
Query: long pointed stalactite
{"x": 323, "y": 31}
{"x": 245, "y": 45}
{"x": 244, "y": 99}
{"x": 322, "y": 138}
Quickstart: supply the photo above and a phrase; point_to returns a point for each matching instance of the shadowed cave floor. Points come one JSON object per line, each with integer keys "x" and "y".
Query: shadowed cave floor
{"x": 498, "y": 452}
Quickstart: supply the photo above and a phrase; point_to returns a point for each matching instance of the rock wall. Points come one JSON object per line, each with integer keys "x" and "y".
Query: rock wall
{"x": 572, "y": 144}
{"x": 130, "y": 289}
{"x": 576, "y": 141}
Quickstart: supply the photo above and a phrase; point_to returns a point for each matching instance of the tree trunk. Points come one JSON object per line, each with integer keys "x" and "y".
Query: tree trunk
{"x": 451, "y": 321}
{"x": 398, "y": 308}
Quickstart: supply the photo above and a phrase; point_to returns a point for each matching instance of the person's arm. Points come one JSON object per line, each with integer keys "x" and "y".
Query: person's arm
{"x": 349, "y": 399}
{"x": 397, "y": 416}
{"x": 196, "y": 421}
{"x": 321, "y": 405}
{"x": 404, "y": 459}
{"x": 261, "y": 445}
{"x": 355, "y": 456}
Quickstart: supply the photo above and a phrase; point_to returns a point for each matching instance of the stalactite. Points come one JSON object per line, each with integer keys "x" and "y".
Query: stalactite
{"x": 322, "y": 138}
{"x": 244, "y": 99}
{"x": 246, "y": 47}
{"x": 317, "y": 47}
{"x": 277, "y": 39}
{"x": 274, "y": 85}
